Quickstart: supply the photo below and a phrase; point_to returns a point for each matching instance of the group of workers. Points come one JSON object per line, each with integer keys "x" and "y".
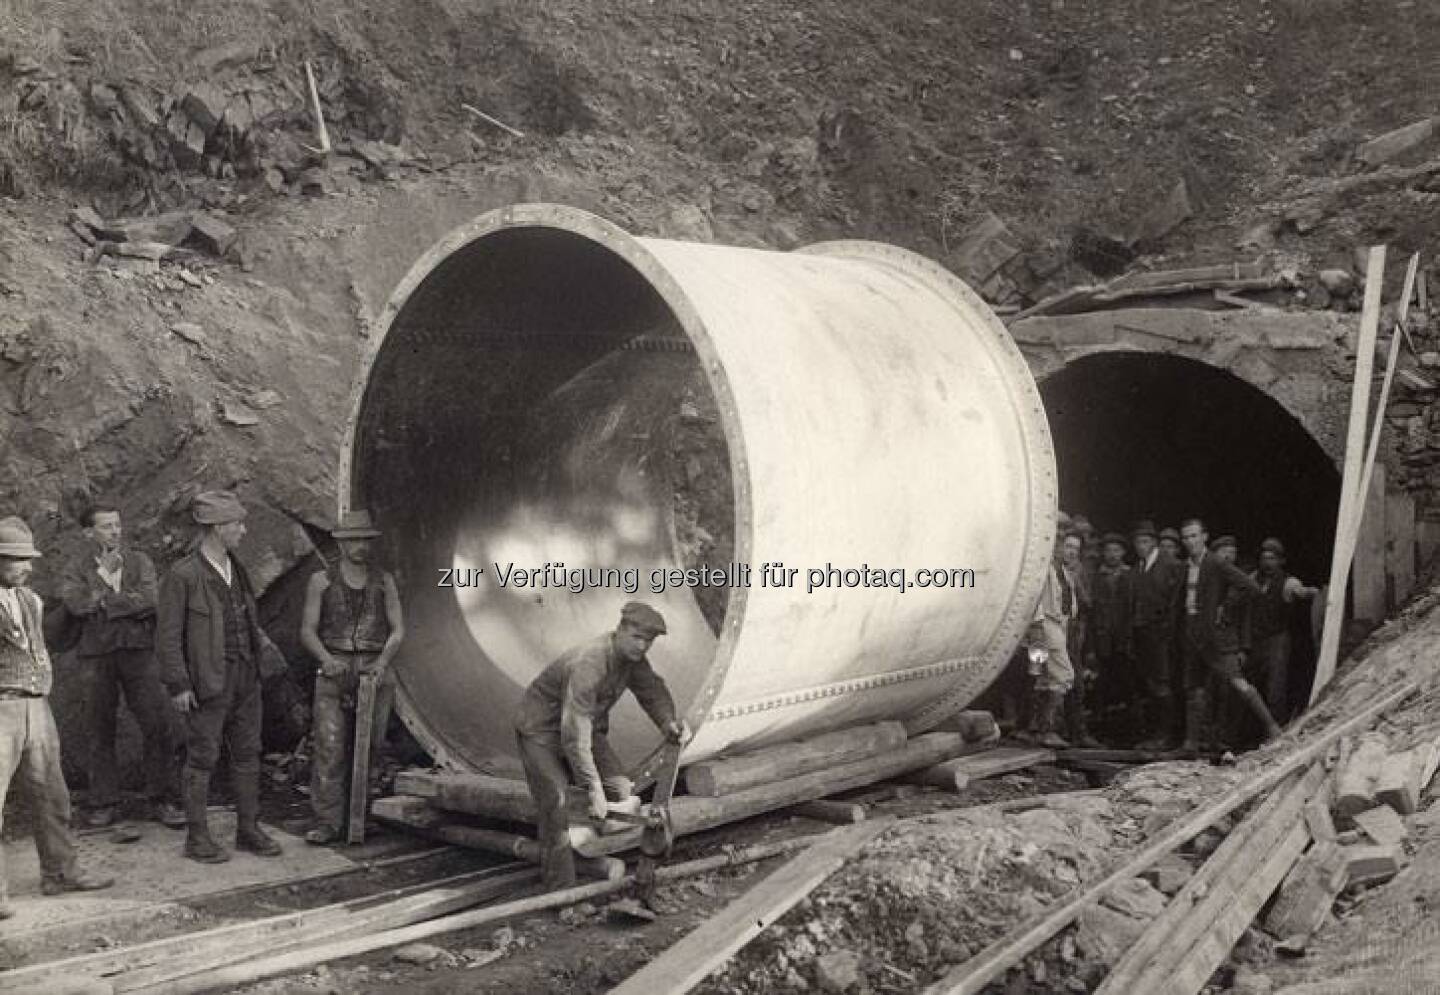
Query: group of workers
{"x": 191, "y": 643}
{"x": 1162, "y": 635}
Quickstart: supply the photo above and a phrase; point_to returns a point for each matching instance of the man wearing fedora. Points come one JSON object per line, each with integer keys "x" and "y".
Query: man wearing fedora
{"x": 563, "y": 721}
{"x": 211, "y": 649}
{"x": 112, "y": 589}
{"x": 29, "y": 742}
{"x": 352, "y": 626}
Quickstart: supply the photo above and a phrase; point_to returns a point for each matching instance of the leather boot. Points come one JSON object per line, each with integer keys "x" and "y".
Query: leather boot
{"x": 1032, "y": 729}
{"x": 248, "y": 834}
{"x": 199, "y": 844}
{"x": 1195, "y": 708}
{"x": 1257, "y": 705}
{"x": 1052, "y": 706}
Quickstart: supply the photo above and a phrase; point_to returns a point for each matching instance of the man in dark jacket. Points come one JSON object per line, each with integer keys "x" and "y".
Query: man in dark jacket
{"x": 1110, "y": 630}
{"x": 1213, "y": 590}
{"x": 112, "y": 590}
{"x": 1154, "y": 582}
{"x": 210, "y": 645}
{"x": 563, "y": 721}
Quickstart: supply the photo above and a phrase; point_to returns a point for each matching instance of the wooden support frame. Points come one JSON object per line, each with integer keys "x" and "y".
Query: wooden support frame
{"x": 360, "y": 762}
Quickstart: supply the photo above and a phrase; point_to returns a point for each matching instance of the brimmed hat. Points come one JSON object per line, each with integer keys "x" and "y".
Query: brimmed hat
{"x": 1170, "y": 534}
{"x": 1144, "y": 527}
{"x": 1223, "y": 541}
{"x": 16, "y": 539}
{"x": 639, "y": 615}
{"x": 216, "y": 508}
{"x": 1114, "y": 537}
{"x": 355, "y": 525}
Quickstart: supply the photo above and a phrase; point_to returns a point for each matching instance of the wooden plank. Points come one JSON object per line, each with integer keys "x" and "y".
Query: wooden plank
{"x": 474, "y": 794}
{"x": 1368, "y": 568}
{"x": 1193, "y": 910}
{"x": 826, "y": 810}
{"x": 1399, "y": 547}
{"x": 1350, "y": 478}
{"x": 713, "y": 778}
{"x": 973, "y": 975}
{"x": 690, "y": 961}
{"x": 1357, "y": 776}
{"x": 1308, "y": 892}
{"x": 360, "y": 761}
{"x": 304, "y": 957}
{"x": 956, "y": 774}
{"x": 1209, "y": 951}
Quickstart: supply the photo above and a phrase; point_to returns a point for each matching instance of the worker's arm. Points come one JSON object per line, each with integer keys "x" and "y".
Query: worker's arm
{"x": 75, "y": 590}
{"x": 310, "y": 626}
{"x": 396, "y": 619}
{"x": 577, "y": 724}
{"x": 170, "y": 641}
{"x": 1242, "y": 586}
{"x": 653, "y": 693}
{"x": 1295, "y": 590}
{"x": 138, "y": 602}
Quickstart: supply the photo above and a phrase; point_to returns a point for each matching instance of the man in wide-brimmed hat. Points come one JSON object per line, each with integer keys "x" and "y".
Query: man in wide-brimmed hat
{"x": 564, "y": 718}
{"x": 352, "y": 625}
{"x": 211, "y": 646}
{"x": 29, "y": 742}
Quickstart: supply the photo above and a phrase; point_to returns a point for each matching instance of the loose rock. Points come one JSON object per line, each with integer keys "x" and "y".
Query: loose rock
{"x": 418, "y": 953}
{"x": 838, "y": 971}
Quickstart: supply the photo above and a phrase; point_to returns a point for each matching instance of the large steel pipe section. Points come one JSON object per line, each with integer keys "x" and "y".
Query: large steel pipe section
{"x": 551, "y": 390}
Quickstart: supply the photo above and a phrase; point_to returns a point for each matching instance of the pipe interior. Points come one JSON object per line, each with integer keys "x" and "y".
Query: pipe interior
{"x": 536, "y": 402}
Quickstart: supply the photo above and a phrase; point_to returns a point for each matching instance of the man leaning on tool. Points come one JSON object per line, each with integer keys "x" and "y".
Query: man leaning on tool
{"x": 29, "y": 742}
{"x": 210, "y": 645}
{"x": 564, "y": 718}
{"x": 352, "y": 626}
{"x": 112, "y": 589}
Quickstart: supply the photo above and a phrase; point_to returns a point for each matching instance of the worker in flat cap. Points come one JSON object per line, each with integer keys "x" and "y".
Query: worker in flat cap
{"x": 563, "y": 721}
{"x": 1270, "y": 625}
{"x": 1109, "y": 651}
{"x": 1154, "y": 582}
{"x": 1171, "y": 545}
{"x": 29, "y": 742}
{"x": 1046, "y": 641}
{"x": 212, "y": 651}
{"x": 352, "y": 625}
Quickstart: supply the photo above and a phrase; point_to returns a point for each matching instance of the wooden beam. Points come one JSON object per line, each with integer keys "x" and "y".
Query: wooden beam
{"x": 954, "y": 775}
{"x": 235, "y": 976}
{"x": 1350, "y": 478}
{"x": 1308, "y": 892}
{"x": 971, "y": 977}
{"x": 725, "y": 776}
{"x": 688, "y": 962}
{"x": 825, "y": 810}
{"x": 1367, "y": 567}
{"x": 360, "y": 761}
{"x": 1399, "y": 547}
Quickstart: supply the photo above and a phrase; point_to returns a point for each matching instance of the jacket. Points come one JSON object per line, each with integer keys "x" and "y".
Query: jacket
{"x": 1221, "y": 593}
{"x": 23, "y": 667}
{"x": 1110, "y": 616}
{"x": 125, "y": 619}
{"x": 1153, "y": 592}
{"x": 190, "y": 631}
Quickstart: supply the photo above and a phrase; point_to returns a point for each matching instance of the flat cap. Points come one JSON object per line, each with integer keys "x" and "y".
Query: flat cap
{"x": 1113, "y": 537}
{"x": 216, "y": 508}
{"x": 1273, "y": 545}
{"x": 1144, "y": 527}
{"x": 1170, "y": 534}
{"x": 16, "y": 539}
{"x": 639, "y": 615}
{"x": 1225, "y": 540}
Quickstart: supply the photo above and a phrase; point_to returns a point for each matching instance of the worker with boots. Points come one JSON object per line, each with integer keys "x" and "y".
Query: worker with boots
{"x": 212, "y": 651}
{"x": 1046, "y": 641}
{"x": 1110, "y": 631}
{"x": 1078, "y": 641}
{"x": 1154, "y": 583}
{"x": 29, "y": 741}
{"x": 1213, "y": 589}
{"x": 563, "y": 721}
{"x": 1225, "y": 726}
{"x": 1270, "y": 644}
{"x": 352, "y": 625}
{"x": 112, "y": 589}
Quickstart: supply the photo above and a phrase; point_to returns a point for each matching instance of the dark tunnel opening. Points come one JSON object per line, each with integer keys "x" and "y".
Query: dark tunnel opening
{"x": 1159, "y": 437}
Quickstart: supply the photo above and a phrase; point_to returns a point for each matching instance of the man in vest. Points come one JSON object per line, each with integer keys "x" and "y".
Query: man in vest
{"x": 29, "y": 742}
{"x": 563, "y": 721}
{"x": 1153, "y": 584}
{"x": 1046, "y": 640}
{"x": 112, "y": 590}
{"x": 1212, "y": 592}
{"x": 1270, "y": 625}
{"x": 210, "y": 646}
{"x": 352, "y": 625}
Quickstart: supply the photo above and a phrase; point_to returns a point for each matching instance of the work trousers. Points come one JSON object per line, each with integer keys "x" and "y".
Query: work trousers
{"x": 548, "y": 774}
{"x": 30, "y": 758}
{"x": 136, "y": 673}
{"x": 1155, "y": 669}
{"x": 232, "y": 718}
{"x": 1270, "y": 661}
{"x": 1057, "y": 673}
{"x": 333, "y": 735}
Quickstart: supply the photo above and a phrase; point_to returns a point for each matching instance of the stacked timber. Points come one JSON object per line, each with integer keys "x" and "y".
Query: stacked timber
{"x": 463, "y": 808}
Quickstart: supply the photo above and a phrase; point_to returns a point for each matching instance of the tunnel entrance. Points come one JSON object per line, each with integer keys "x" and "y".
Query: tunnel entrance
{"x": 1159, "y": 437}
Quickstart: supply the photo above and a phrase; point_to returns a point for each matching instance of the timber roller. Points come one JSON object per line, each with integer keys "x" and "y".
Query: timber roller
{"x": 549, "y": 389}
